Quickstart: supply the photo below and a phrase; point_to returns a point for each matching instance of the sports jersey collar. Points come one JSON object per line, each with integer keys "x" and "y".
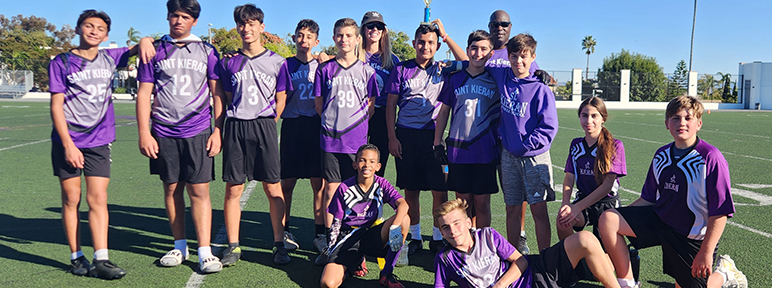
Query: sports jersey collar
{"x": 256, "y": 56}
{"x": 190, "y": 38}
{"x": 84, "y": 58}
{"x": 475, "y": 76}
{"x": 428, "y": 65}
{"x": 687, "y": 150}
{"x": 301, "y": 61}
{"x": 346, "y": 68}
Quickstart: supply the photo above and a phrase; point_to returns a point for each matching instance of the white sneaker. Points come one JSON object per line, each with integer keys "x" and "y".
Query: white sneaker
{"x": 174, "y": 258}
{"x": 320, "y": 242}
{"x": 734, "y": 278}
{"x": 210, "y": 264}
{"x": 402, "y": 259}
{"x": 290, "y": 243}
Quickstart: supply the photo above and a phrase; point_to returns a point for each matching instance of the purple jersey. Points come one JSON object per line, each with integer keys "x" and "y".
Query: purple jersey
{"x": 418, "y": 89}
{"x": 180, "y": 73}
{"x": 482, "y": 266}
{"x": 87, "y": 88}
{"x": 358, "y": 208}
{"x": 381, "y": 75}
{"x": 253, "y": 83}
{"x": 300, "y": 101}
{"x": 687, "y": 191}
{"x": 500, "y": 59}
{"x": 346, "y": 92}
{"x": 475, "y": 106}
{"x": 529, "y": 119}
{"x": 581, "y": 163}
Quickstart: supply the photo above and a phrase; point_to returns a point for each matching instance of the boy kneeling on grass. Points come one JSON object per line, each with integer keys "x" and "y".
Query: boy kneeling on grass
{"x": 358, "y": 227}
{"x": 484, "y": 258}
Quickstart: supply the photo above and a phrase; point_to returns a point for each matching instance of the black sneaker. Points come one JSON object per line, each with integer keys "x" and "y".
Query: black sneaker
{"x": 106, "y": 270}
{"x": 280, "y": 255}
{"x": 79, "y": 266}
{"x": 522, "y": 245}
{"x": 414, "y": 246}
{"x": 436, "y": 245}
{"x": 231, "y": 256}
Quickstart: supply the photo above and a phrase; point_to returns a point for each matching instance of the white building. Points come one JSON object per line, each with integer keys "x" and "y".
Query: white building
{"x": 755, "y": 85}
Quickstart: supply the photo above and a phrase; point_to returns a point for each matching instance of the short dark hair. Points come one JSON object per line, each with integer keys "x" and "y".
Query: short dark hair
{"x": 188, "y": 6}
{"x": 91, "y": 13}
{"x": 368, "y": 146}
{"x": 520, "y": 43}
{"x": 425, "y": 29}
{"x": 345, "y": 22}
{"x": 308, "y": 24}
{"x": 244, "y": 13}
{"x": 478, "y": 35}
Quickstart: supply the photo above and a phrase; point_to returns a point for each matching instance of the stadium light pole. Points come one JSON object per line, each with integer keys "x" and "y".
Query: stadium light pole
{"x": 694, "y": 22}
{"x": 209, "y": 32}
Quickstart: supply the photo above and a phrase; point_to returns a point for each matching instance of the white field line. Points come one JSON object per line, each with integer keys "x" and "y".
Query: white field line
{"x": 46, "y": 140}
{"x": 196, "y": 279}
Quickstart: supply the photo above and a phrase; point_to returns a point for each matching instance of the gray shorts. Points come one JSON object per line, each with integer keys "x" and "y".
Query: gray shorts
{"x": 526, "y": 178}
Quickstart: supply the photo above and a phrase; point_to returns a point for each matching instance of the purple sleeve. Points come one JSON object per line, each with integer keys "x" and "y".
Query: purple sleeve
{"x": 446, "y": 93}
{"x": 503, "y": 248}
{"x": 390, "y": 194}
{"x": 145, "y": 72}
{"x": 318, "y": 81}
{"x": 372, "y": 86}
{"x": 211, "y": 64}
{"x": 497, "y": 72}
{"x": 440, "y": 280}
{"x": 649, "y": 189}
{"x": 619, "y": 164}
{"x": 569, "y": 168}
{"x": 337, "y": 204}
{"x": 719, "y": 198}
{"x": 223, "y": 73}
{"x": 392, "y": 86}
{"x": 283, "y": 81}
{"x": 120, "y": 55}
{"x": 545, "y": 132}
{"x": 56, "y": 77}
{"x": 533, "y": 68}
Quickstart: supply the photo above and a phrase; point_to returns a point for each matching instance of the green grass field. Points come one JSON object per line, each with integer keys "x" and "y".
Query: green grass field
{"x": 34, "y": 253}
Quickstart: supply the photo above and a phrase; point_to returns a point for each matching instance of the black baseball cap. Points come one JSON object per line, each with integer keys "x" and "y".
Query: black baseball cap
{"x": 372, "y": 16}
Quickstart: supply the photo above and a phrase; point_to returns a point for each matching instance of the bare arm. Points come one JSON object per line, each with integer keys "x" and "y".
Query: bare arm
{"x": 457, "y": 51}
{"x": 72, "y": 154}
{"x": 519, "y": 265}
{"x": 569, "y": 212}
{"x": 318, "y": 105}
{"x": 370, "y": 107}
{"x": 641, "y": 202}
{"x": 401, "y": 211}
{"x": 147, "y": 144}
{"x": 395, "y": 147}
{"x": 281, "y": 101}
{"x": 442, "y": 121}
{"x": 703, "y": 261}
{"x": 213, "y": 144}
{"x": 145, "y": 49}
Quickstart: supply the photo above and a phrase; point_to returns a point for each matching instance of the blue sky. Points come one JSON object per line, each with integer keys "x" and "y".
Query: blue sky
{"x": 726, "y": 33}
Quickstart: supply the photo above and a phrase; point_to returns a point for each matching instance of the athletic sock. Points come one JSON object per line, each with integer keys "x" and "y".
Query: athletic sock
{"x": 286, "y": 226}
{"x": 233, "y": 244}
{"x": 278, "y": 244}
{"x": 415, "y": 230}
{"x": 626, "y": 282}
{"x": 522, "y": 233}
{"x": 436, "y": 234}
{"x": 181, "y": 245}
{"x": 391, "y": 260}
{"x": 100, "y": 254}
{"x": 76, "y": 255}
{"x": 204, "y": 252}
{"x": 319, "y": 228}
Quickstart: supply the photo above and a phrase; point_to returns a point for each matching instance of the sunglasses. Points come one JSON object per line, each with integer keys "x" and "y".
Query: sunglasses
{"x": 373, "y": 25}
{"x": 504, "y": 24}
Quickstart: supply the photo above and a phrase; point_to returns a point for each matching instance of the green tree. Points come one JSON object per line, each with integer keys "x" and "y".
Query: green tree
{"x": 726, "y": 89}
{"x": 647, "y": 81}
{"x": 30, "y": 42}
{"x": 401, "y": 45}
{"x": 224, "y": 40}
{"x": 678, "y": 81}
{"x": 588, "y": 45}
{"x": 133, "y": 36}
{"x": 330, "y": 50}
{"x": 706, "y": 87}
{"x": 278, "y": 45}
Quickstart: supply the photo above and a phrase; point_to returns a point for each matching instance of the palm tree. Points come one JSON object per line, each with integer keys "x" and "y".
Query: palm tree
{"x": 588, "y": 44}
{"x": 133, "y": 35}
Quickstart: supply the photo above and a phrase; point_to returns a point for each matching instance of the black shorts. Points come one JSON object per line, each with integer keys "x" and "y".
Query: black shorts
{"x": 418, "y": 169}
{"x": 678, "y": 252}
{"x": 97, "y": 161}
{"x": 592, "y": 213}
{"x": 183, "y": 159}
{"x": 250, "y": 151}
{"x": 379, "y": 137}
{"x": 356, "y": 243}
{"x": 552, "y": 268}
{"x": 337, "y": 167}
{"x": 477, "y": 179}
{"x": 301, "y": 154}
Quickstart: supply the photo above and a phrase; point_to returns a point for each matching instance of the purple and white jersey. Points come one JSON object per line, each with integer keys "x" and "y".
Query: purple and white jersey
{"x": 581, "y": 163}
{"x": 687, "y": 191}
{"x": 529, "y": 118}
{"x": 482, "y": 266}
{"x": 87, "y": 88}
{"x": 300, "y": 101}
{"x": 500, "y": 59}
{"x": 381, "y": 75}
{"x": 253, "y": 83}
{"x": 475, "y": 106}
{"x": 347, "y": 92}
{"x": 418, "y": 89}
{"x": 358, "y": 208}
{"x": 180, "y": 73}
